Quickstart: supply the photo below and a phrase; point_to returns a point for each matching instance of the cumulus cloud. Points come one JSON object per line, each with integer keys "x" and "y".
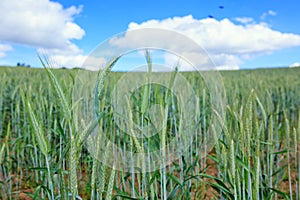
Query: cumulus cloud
{"x": 268, "y": 13}
{"x": 40, "y": 23}
{"x": 3, "y": 49}
{"x": 179, "y": 47}
{"x": 227, "y": 43}
{"x": 296, "y": 64}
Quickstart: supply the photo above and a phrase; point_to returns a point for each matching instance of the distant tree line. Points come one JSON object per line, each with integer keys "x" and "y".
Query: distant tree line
{"x": 19, "y": 64}
{"x": 22, "y": 65}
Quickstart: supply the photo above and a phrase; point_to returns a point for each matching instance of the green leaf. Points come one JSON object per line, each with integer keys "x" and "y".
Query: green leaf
{"x": 279, "y": 192}
{"x": 174, "y": 178}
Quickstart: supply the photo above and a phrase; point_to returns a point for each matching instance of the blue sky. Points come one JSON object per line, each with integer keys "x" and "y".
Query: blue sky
{"x": 242, "y": 34}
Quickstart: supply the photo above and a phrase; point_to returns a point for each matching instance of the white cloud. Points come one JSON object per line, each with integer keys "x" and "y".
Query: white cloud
{"x": 272, "y": 13}
{"x": 86, "y": 62}
{"x": 59, "y": 59}
{"x": 3, "y": 49}
{"x": 244, "y": 20}
{"x": 43, "y": 24}
{"x": 268, "y": 13}
{"x": 227, "y": 43}
{"x": 39, "y": 23}
{"x": 225, "y": 61}
{"x": 172, "y": 42}
{"x": 296, "y": 64}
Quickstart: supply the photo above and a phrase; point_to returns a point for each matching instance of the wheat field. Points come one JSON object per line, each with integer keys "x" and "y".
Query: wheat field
{"x": 44, "y": 152}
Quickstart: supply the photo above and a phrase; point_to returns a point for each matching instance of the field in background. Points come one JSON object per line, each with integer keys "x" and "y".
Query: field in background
{"x": 42, "y": 155}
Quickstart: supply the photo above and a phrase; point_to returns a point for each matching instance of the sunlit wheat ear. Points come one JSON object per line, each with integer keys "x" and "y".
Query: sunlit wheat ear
{"x": 100, "y": 81}
{"x": 2, "y": 153}
{"x": 265, "y": 118}
{"x": 146, "y": 92}
{"x": 88, "y": 130}
{"x": 103, "y": 168}
{"x": 132, "y": 132}
{"x": 110, "y": 184}
{"x": 38, "y": 131}
{"x": 61, "y": 96}
{"x": 248, "y": 114}
{"x": 232, "y": 165}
